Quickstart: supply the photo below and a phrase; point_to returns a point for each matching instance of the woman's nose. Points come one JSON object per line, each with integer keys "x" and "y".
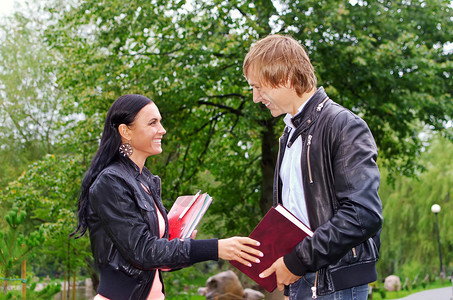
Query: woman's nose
{"x": 162, "y": 130}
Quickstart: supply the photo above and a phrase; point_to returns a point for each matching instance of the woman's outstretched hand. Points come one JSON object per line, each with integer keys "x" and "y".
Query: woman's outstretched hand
{"x": 239, "y": 249}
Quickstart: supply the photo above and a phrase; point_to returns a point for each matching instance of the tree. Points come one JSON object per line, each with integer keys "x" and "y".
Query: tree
{"x": 14, "y": 246}
{"x": 29, "y": 98}
{"x": 33, "y": 127}
{"x": 408, "y": 236}
{"x": 373, "y": 58}
{"x": 383, "y": 60}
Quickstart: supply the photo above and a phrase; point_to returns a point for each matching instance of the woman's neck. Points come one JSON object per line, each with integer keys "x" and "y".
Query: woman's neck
{"x": 140, "y": 162}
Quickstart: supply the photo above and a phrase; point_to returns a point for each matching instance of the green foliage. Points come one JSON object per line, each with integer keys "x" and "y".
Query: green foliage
{"x": 385, "y": 61}
{"x": 191, "y": 67}
{"x": 409, "y": 242}
{"x": 382, "y": 59}
{"x": 14, "y": 245}
{"x": 29, "y": 97}
{"x": 48, "y": 191}
{"x": 370, "y": 57}
{"x": 47, "y": 293}
{"x": 184, "y": 283}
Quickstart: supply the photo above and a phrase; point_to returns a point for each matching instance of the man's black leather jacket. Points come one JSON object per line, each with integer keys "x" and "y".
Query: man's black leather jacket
{"x": 124, "y": 230}
{"x": 340, "y": 180}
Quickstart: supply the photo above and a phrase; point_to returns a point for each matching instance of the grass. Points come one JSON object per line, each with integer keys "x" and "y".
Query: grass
{"x": 381, "y": 294}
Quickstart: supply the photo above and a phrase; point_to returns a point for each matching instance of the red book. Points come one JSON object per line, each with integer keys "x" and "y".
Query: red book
{"x": 278, "y": 233}
{"x": 186, "y": 213}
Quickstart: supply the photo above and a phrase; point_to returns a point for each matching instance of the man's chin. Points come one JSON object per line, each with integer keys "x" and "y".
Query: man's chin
{"x": 276, "y": 113}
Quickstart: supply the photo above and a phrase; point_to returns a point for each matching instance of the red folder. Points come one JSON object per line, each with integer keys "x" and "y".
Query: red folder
{"x": 186, "y": 213}
{"x": 278, "y": 233}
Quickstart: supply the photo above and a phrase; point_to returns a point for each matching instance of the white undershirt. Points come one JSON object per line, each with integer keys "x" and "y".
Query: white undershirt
{"x": 293, "y": 197}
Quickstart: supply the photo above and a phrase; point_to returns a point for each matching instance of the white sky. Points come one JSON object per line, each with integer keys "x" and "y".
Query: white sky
{"x": 7, "y": 6}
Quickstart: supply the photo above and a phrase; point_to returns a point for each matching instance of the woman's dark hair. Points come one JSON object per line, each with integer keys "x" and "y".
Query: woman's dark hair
{"x": 123, "y": 111}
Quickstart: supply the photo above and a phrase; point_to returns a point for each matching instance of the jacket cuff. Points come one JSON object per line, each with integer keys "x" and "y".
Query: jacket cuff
{"x": 286, "y": 291}
{"x": 294, "y": 264}
{"x": 203, "y": 250}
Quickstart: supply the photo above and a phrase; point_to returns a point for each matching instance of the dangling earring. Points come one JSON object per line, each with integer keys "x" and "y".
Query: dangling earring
{"x": 126, "y": 149}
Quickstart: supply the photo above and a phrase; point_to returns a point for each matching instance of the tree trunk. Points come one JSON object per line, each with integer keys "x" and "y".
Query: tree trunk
{"x": 5, "y": 285}
{"x": 24, "y": 277}
{"x": 74, "y": 285}
{"x": 269, "y": 150}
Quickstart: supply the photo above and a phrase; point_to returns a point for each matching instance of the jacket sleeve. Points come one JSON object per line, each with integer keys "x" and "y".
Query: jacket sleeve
{"x": 357, "y": 206}
{"x": 111, "y": 198}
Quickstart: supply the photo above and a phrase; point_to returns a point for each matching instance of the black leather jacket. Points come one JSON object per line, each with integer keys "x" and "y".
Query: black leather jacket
{"x": 341, "y": 180}
{"x": 124, "y": 232}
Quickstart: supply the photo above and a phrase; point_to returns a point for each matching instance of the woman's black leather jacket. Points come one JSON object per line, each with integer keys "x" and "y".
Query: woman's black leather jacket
{"x": 124, "y": 230}
{"x": 340, "y": 180}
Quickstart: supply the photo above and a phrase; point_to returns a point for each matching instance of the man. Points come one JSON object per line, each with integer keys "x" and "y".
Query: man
{"x": 326, "y": 175}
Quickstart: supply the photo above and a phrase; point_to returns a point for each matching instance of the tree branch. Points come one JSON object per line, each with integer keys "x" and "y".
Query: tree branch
{"x": 221, "y": 106}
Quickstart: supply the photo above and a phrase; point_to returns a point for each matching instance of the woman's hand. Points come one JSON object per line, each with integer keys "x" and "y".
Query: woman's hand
{"x": 238, "y": 249}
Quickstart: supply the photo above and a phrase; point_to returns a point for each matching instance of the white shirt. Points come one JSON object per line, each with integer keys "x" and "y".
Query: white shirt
{"x": 293, "y": 197}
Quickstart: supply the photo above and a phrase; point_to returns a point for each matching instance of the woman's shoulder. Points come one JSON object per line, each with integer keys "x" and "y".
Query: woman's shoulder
{"x": 113, "y": 173}
{"x": 113, "y": 169}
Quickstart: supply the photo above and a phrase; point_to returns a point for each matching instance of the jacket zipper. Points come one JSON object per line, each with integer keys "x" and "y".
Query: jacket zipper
{"x": 321, "y": 105}
{"x": 313, "y": 288}
{"x": 318, "y": 108}
{"x": 354, "y": 252}
{"x": 278, "y": 168}
{"x": 308, "y": 157}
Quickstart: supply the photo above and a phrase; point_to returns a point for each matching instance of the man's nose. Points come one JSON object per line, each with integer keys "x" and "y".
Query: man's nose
{"x": 256, "y": 96}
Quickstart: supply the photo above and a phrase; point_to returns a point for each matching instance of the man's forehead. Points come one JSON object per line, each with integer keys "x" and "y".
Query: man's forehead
{"x": 251, "y": 77}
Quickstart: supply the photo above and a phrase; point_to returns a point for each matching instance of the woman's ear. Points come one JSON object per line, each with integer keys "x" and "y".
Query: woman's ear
{"x": 123, "y": 130}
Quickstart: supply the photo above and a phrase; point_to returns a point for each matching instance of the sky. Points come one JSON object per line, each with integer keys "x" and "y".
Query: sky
{"x": 6, "y": 6}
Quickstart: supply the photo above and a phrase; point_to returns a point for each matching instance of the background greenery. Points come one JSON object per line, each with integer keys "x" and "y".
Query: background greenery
{"x": 65, "y": 62}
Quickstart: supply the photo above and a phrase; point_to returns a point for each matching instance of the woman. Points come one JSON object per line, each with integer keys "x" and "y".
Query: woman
{"x": 120, "y": 204}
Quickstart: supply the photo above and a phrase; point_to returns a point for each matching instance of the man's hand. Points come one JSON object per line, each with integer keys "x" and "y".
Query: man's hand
{"x": 284, "y": 276}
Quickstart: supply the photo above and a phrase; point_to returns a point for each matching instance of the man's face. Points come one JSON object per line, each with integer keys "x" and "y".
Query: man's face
{"x": 278, "y": 100}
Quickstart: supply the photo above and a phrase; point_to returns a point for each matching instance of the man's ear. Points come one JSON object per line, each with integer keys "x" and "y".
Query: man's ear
{"x": 124, "y": 131}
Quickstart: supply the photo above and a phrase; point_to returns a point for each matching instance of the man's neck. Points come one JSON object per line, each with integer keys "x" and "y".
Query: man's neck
{"x": 302, "y": 99}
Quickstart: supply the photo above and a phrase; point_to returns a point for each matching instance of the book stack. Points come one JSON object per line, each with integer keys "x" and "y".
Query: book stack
{"x": 186, "y": 213}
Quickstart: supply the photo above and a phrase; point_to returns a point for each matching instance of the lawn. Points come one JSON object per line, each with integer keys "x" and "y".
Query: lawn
{"x": 381, "y": 294}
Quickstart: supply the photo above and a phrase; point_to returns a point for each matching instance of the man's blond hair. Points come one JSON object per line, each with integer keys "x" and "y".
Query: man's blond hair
{"x": 278, "y": 60}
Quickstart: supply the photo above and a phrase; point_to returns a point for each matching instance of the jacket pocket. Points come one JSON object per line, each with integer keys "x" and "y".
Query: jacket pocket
{"x": 143, "y": 203}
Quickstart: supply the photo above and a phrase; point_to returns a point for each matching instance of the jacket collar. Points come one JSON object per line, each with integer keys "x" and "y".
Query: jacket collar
{"x": 308, "y": 116}
{"x": 134, "y": 170}
{"x": 152, "y": 182}
{"x": 309, "y": 113}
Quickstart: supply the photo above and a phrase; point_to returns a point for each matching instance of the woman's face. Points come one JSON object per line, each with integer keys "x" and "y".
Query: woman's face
{"x": 146, "y": 132}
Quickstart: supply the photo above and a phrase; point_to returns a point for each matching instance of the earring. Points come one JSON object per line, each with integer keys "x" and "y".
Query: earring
{"x": 126, "y": 149}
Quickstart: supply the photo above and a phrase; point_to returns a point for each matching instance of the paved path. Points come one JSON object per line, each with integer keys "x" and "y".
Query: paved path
{"x": 436, "y": 294}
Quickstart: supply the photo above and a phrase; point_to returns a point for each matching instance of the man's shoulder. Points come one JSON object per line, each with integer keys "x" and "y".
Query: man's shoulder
{"x": 335, "y": 112}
